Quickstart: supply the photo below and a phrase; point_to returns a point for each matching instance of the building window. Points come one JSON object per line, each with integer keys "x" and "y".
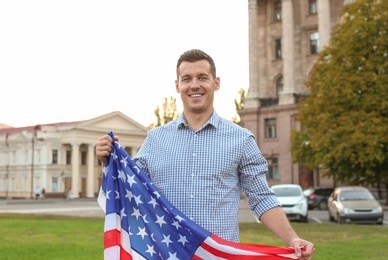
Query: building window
{"x": 83, "y": 158}
{"x": 68, "y": 157}
{"x": 314, "y": 43}
{"x": 270, "y": 128}
{"x": 128, "y": 149}
{"x": 273, "y": 170}
{"x": 278, "y": 49}
{"x": 54, "y": 184}
{"x": 313, "y": 7}
{"x": 279, "y": 86}
{"x": 278, "y": 10}
{"x": 54, "y": 157}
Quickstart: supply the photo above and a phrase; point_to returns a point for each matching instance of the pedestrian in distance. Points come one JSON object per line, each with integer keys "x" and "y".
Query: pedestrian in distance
{"x": 37, "y": 193}
{"x": 200, "y": 162}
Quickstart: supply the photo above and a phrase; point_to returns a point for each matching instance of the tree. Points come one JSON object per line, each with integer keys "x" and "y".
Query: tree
{"x": 166, "y": 113}
{"x": 239, "y": 104}
{"x": 345, "y": 117}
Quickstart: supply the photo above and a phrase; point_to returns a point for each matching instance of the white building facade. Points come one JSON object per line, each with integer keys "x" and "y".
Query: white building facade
{"x": 60, "y": 157}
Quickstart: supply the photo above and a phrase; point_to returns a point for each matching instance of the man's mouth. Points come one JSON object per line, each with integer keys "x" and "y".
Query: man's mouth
{"x": 195, "y": 95}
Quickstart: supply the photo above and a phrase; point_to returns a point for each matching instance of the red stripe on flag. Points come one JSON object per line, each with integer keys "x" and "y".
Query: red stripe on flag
{"x": 230, "y": 250}
{"x": 111, "y": 238}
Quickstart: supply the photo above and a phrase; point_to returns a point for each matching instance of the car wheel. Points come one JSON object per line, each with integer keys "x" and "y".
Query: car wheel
{"x": 322, "y": 205}
{"x": 339, "y": 219}
{"x": 306, "y": 219}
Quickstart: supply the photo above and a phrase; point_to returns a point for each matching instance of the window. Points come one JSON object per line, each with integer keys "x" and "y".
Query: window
{"x": 270, "y": 128}
{"x": 54, "y": 157}
{"x": 54, "y": 184}
{"x": 83, "y": 158}
{"x": 279, "y": 86}
{"x": 68, "y": 157}
{"x": 314, "y": 43}
{"x": 313, "y": 7}
{"x": 278, "y": 49}
{"x": 273, "y": 170}
{"x": 278, "y": 10}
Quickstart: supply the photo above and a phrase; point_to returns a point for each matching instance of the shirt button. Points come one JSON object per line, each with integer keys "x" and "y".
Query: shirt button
{"x": 192, "y": 175}
{"x": 191, "y": 196}
{"x": 193, "y": 154}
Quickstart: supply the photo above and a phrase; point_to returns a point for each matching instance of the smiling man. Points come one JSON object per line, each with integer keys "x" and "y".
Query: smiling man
{"x": 201, "y": 162}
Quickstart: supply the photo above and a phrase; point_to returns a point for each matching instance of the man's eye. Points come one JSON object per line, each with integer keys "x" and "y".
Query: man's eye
{"x": 203, "y": 78}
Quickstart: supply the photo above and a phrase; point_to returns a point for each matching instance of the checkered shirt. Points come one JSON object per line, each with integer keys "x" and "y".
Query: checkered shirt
{"x": 202, "y": 172}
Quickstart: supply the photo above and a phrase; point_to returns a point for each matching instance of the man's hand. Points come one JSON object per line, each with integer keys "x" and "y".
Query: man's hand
{"x": 308, "y": 248}
{"x": 104, "y": 147}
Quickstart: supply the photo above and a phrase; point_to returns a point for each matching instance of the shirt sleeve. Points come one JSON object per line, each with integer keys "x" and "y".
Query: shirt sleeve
{"x": 253, "y": 171}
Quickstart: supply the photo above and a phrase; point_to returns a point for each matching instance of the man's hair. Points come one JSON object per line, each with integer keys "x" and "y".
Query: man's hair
{"x": 196, "y": 55}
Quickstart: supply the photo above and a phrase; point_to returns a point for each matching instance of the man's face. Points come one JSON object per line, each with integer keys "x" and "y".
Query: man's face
{"x": 196, "y": 86}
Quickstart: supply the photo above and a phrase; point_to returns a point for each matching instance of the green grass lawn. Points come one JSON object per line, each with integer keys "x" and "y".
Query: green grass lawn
{"x": 60, "y": 237}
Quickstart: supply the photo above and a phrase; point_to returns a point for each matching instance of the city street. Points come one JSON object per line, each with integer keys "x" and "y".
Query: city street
{"x": 90, "y": 208}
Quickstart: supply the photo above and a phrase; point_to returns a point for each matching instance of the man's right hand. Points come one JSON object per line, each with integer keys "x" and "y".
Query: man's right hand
{"x": 104, "y": 146}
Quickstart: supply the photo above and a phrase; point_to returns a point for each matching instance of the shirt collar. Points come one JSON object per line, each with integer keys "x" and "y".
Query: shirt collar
{"x": 213, "y": 120}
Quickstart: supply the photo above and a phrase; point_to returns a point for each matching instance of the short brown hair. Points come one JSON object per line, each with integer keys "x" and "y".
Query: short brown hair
{"x": 196, "y": 55}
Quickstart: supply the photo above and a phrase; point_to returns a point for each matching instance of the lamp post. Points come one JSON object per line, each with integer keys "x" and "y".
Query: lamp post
{"x": 33, "y": 158}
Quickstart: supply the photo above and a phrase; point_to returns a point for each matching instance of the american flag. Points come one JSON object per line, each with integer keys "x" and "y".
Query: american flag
{"x": 141, "y": 224}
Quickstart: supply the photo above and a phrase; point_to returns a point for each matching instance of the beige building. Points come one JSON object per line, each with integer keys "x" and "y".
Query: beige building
{"x": 60, "y": 157}
{"x": 285, "y": 37}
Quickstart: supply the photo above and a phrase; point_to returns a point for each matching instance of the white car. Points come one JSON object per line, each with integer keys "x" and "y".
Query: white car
{"x": 293, "y": 201}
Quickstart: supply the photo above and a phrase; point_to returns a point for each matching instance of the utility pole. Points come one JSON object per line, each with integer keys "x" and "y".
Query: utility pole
{"x": 32, "y": 161}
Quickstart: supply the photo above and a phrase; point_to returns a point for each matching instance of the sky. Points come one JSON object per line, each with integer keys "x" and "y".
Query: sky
{"x": 63, "y": 61}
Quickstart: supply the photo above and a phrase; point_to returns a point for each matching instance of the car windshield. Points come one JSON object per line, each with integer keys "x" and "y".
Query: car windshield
{"x": 356, "y": 195}
{"x": 287, "y": 192}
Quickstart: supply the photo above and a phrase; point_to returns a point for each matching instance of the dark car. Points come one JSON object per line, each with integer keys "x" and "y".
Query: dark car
{"x": 317, "y": 197}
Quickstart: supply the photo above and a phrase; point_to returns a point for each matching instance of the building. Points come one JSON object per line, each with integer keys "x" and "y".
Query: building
{"x": 285, "y": 37}
{"x": 60, "y": 157}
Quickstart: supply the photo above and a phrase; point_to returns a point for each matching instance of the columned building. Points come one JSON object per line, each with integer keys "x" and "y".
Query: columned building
{"x": 60, "y": 157}
{"x": 285, "y": 37}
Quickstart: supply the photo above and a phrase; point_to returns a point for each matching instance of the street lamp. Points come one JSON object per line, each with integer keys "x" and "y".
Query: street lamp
{"x": 32, "y": 158}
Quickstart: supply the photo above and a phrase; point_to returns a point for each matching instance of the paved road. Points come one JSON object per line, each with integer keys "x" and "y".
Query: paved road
{"x": 90, "y": 208}
{"x": 79, "y": 207}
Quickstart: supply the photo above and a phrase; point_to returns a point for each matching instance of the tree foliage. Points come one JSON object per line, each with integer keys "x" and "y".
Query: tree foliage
{"x": 345, "y": 117}
{"x": 165, "y": 113}
{"x": 239, "y": 104}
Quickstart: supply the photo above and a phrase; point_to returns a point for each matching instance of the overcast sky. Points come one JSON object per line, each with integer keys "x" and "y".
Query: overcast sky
{"x": 63, "y": 61}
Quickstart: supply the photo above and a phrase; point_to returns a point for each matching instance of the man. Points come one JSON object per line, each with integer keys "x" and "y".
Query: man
{"x": 200, "y": 161}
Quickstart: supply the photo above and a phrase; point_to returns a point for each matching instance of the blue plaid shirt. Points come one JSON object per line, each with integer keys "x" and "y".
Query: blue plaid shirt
{"x": 202, "y": 172}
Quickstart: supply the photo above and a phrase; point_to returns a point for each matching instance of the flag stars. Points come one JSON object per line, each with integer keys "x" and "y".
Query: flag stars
{"x": 172, "y": 256}
{"x": 160, "y": 220}
{"x": 167, "y": 240}
{"x": 153, "y": 202}
{"x": 144, "y": 219}
{"x": 122, "y": 175}
{"x": 124, "y": 161}
{"x": 176, "y": 224}
{"x": 113, "y": 154}
{"x": 129, "y": 195}
{"x": 150, "y": 250}
{"x": 182, "y": 239}
{"x": 142, "y": 232}
{"x": 138, "y": 200}
{"x": 136, "y": 213}
{"x": 122, "y": 213}
{"x": 105, "y": 171}
{"x": 131, "y": 180}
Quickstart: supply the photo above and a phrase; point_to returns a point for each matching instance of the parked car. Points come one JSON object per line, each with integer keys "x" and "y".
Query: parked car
{"x": 293, "y": 201}
{"x": 354, "y": 205}
{"x": 317, "y": 197}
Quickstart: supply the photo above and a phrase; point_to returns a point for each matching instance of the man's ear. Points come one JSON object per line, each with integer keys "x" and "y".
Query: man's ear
{"x": 217, "y": 84}
{"x": 177, "y": 86}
